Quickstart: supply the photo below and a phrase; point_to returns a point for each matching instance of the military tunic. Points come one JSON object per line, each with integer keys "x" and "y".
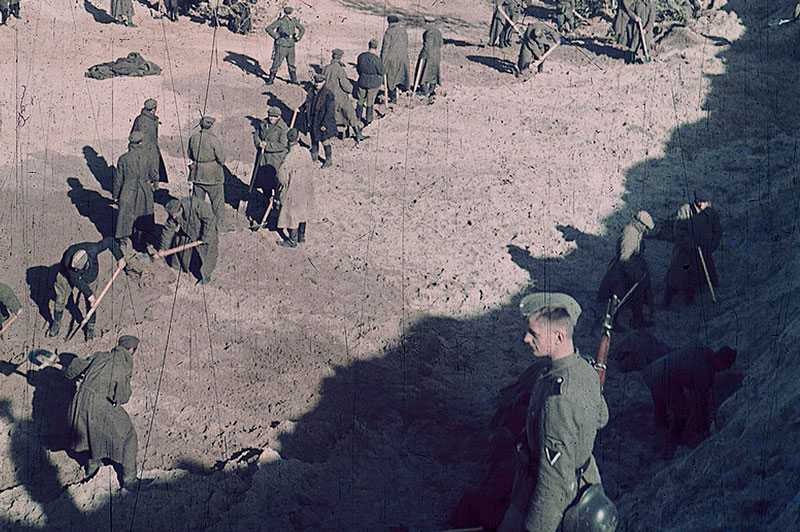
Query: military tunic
{"x": 430, "y": 56}
{"x": 286, "y": 31}
{"x": 147, "y": 124}
{"x": 99, "y": 423}
{"x": 296, "y": 195}
{"x": 134, "y": 176}
{"x": 690, "y": 230}
{"x": 196, "y": 222}
{"x": 9, "y": 304}
{"x": 565, "y": 412}
{"x": 207, "y": 174}
{"x": 394, "y": 55}
{"x": 339, "y": 84}
{"x": 273, "y": 153}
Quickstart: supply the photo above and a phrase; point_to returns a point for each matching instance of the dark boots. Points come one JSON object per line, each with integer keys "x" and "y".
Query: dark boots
{"x": 293, "y": 77}
{"x": 289, "y": 240}
{"x": 88, "y": 331}
{"x": 301, "y": 233}
{"x": 315, "y": 154}
{"x": 360, "y": 137}
{"x": 370, "y": 115}
{"x": 3, "y": 15}
{"x": 393, "y": 95}
{"x": 55, "y": 325}
{"x": 328, "y": 156}
{"x": 270, "y": 78}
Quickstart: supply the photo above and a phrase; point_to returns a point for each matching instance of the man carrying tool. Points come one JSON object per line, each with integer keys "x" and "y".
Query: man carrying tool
{"x": 320, "y": 109}
{"x": 537, "y": 40}
{"x": 339, "y": 84}
{"x": 566, "y": 409}
{"x": 286, "y": 32}
{"x": 633, "y": 26}
{"x": 681, "y": 384}
{"x": 628, "y": 268}
{"x": 498, "y": 23}
{"x": 513, "y": 10}
{"x": 394, "y": 55}
{"x": 135, "y": 178}
{"x": 190, "y": 219}
{"x": 207, "y": 173}
{"x": 100, "y": 425}
{"x": 370, "y": 80}
{"x": 9, "y": 305}
{"x": 78, "y": 269}
{"x": 295, "y": 201}
{"x": 697, "y": 233}
{"x": 270, "y": 139}
{"x": 429, "y": 62}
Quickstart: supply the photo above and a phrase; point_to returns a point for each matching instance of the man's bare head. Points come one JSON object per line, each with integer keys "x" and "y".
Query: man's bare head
{"x": 550, "y": 332}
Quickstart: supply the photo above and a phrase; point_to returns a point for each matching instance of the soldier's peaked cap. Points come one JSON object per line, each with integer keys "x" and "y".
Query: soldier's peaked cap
{"x": 533, "y": 303}
{"x": 393, "y": 18}
{"x": 206, "y": 122}
{"x": 79, "y": 259}
{"x": 337, "y": 53}
{"x": 288, "y": 10}
{"x": 150, "y": 104}
{"x": 274, "y": 111}
{"x": 128, "y": 342}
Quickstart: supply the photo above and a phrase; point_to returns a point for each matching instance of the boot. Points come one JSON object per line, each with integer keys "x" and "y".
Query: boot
{"x": 301, "y": 233}
{"x": 328, "y": 156}
{"x": 360, "y": 137}
{"x": 291, "y": 240}
{"x": 270, "y": 78}
{"x": 370, "y": 113}
{"x": 359, "y": 111}
{"x": 393, "y": 96}
{"x": 315, "y": 154}
{"x": 90, "y": 469}
{"x": 88, "y": 331}
{"x": 55, "y": 325}
{"x": 293, "y": 77}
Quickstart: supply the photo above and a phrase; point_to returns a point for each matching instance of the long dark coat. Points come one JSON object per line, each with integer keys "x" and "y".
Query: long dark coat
{"x": 147, "y": 124}
{"x": 197, "y": 223}
{"x": 628, "y": 267}
{"x": 321, "y": 111}
{"x": 339, "y": 84}
{"x": 205, "y": 150}
{"x": 430, "y": 56}
{"x": 101, "y": 428}
{"x": 133, "y": 187}
{"x": 394, "y": 54}
{"x": 626, "y": 29}
{"x": 692, "y": 229}
{"x": 121, "y": 8}
{"x": 296, "y": 177}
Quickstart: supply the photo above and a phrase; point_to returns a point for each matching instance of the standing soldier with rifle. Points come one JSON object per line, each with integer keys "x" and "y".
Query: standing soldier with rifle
{"x": 557, "y": 478}
{"x": 191, "y": 220}
{"x": 286, "y": 32}
{"x": 270, "y": 141}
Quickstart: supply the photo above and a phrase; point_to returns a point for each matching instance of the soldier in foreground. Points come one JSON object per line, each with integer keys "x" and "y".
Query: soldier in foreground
{"x": 135, "y": 178}
{"x": 430, "y": 58}
{"x": 630, "y": 267}
{"x": 536, "y": 41}
{"x": 320, "y": 108}
{"x": 394, "y": 55}
{"x": 78, "y": 269}
{"x": 296, "y": 197}
{"x": 681, "y": 384}
{"x": 565, "y": 412}
{"x": 339, "y": 84}
{"x": 270, "y": 138}
{"x": 100, "y": 426}
{"x": 147, "y": 123}
{"x": 207, "y": 174}
{"x": 286, "y": 31}
{"x": 370, "y": 79}
{"x": 697, "y": 233}
{"x": 190, "y": 219}
{"x": 9, "y": 304}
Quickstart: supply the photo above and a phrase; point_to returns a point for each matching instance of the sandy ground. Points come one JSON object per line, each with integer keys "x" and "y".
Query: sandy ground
{"x": 348, "y": 385}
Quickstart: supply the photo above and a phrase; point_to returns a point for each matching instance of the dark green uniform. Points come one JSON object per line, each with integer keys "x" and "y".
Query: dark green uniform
{"x": 207, "y": 175}
{"x": 565, "y": 412}
{"x": 273, "y": 136}
{"x": 196, "y": 222}
{"x": 286, "y": 31}
{"x": 9, "y": 304}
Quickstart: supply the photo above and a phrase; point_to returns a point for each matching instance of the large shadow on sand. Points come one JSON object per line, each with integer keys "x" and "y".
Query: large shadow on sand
{"x": 421, "y": 392}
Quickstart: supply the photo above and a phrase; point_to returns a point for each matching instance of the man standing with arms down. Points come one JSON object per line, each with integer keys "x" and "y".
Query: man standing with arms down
{"x": 135, "y": 177}
{"x": 320, "y": 108}
{"x": 430, "y": 58}
{"x": 207, "y": 175}
{"x": 370, "y": 78}
{"x": 285, "y": 31}
{"x": 339, "y": 84}
{"x": 565, "y": 412}
{"x": 147, "y": 123}
{"x": 394, "y": 54}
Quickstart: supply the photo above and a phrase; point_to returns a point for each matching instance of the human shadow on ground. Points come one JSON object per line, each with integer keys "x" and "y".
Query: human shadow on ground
{"x": 100, "y": 16}
{"x": 246, "y": 63}
{"x": 40, "y": 284}
{"x": 99, "y": 167}
{"x": 92, "y": 205}
{"x": 504, "y": 66}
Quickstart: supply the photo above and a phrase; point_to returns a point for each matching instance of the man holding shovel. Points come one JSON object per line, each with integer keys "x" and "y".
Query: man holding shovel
{"x": 633, "y": 26}
{"x": 190, "y": 220}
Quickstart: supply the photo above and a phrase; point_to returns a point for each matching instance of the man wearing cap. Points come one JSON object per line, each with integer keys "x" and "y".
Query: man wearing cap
{"x": 630, "y": 267}
{"x": 565, "y": 412}
{"x": 147, "y": 124}
{"x": 339, "y": 84}
{"x": 696, "y": 226}
{"x": 206, "y": 172}
{"x": 295, "y": 199}
{"x": 78, "y": 269}
{"x": 681, "y": 384}
{"x": 9, "y": 304}
{"x": 536, "y": 41}
{"x": 370, "y": 79}
{"x": 394, "y": 55}
{"x": 286, "y": 31}
{"x": 135, "y": 177}
{"x": 430, "y": 59}
{"x": 270, "y": 138}
{"x": 320, "y": 109}
{"x": 190, "y": 220}
{"x": 100, "y": 425}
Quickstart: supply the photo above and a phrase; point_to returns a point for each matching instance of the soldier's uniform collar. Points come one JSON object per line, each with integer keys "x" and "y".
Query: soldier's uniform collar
{"x": 563, "y": 363}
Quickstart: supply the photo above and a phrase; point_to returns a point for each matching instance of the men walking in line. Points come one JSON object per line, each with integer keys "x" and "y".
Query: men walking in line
{"x": 681, "y": 384}
{"x": 633, "y": 26}
{"x": 78, "y": 269}
{"x": 100, "y": 425}
{"x": 206, "y": 174}
{"x": 286, "y": 31}
{"x": 9, "y": 304}
{"x": 135, "y": 177}
{"x": 296, "y": 197}
{"x": 697, "y": 233}
{"x": 394, "y": 55}
{"x": 536, "y": 41}
{"x": 566, "y": 410}
{"x": 430, "y": 59}
{"x": 147, "y": 124}
{"x": 370, "y": 79}
{"x": 320, "y": 109}
{"x": 628, "y": 268}
{"x": 270, "y": 138}
{"x": 190, "y": 219}
{"x": 337, "y": 81}
{"x": 122, "y": 12}
{"x": 8, "y": 7}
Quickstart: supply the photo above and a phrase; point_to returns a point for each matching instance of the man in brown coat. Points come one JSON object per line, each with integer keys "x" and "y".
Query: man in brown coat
{"x": 320, "y": 109}
{"x": 394, "y": 54}
{"x": 296, "y": 196}
{"x": 190, "y": 219}
{"x": 100, "y": 425}
{"x": 135, "y": 177}
{"x": 147, "y": 123}
{"x": 340, "y": 85}
{"x": 206, "y": 173}
{"x": 430, "y": 58}
{"x": 696, "y": 231}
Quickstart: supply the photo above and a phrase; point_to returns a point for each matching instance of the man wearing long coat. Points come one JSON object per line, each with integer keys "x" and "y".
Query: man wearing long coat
{"x": 498, "y": 23}
{"x": 207, "y": 174}
{"x": 430, "y": 58}
{"x": 394, "y": 54}
{"x": 626, "y": 27}
{"x": 122, "y": 11}
{"x": 296, "y": 196}
{"x": 100, "y": 425}
{"x": 536, "y": 41}
{"x": 135, "y": 176}
{"x": 696, "y": 226}
{"x": 190, "y": 219}
{"x": 320, "y": 109}
{"x": 147, "y": 124}
{"x": 340, "y": 85}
